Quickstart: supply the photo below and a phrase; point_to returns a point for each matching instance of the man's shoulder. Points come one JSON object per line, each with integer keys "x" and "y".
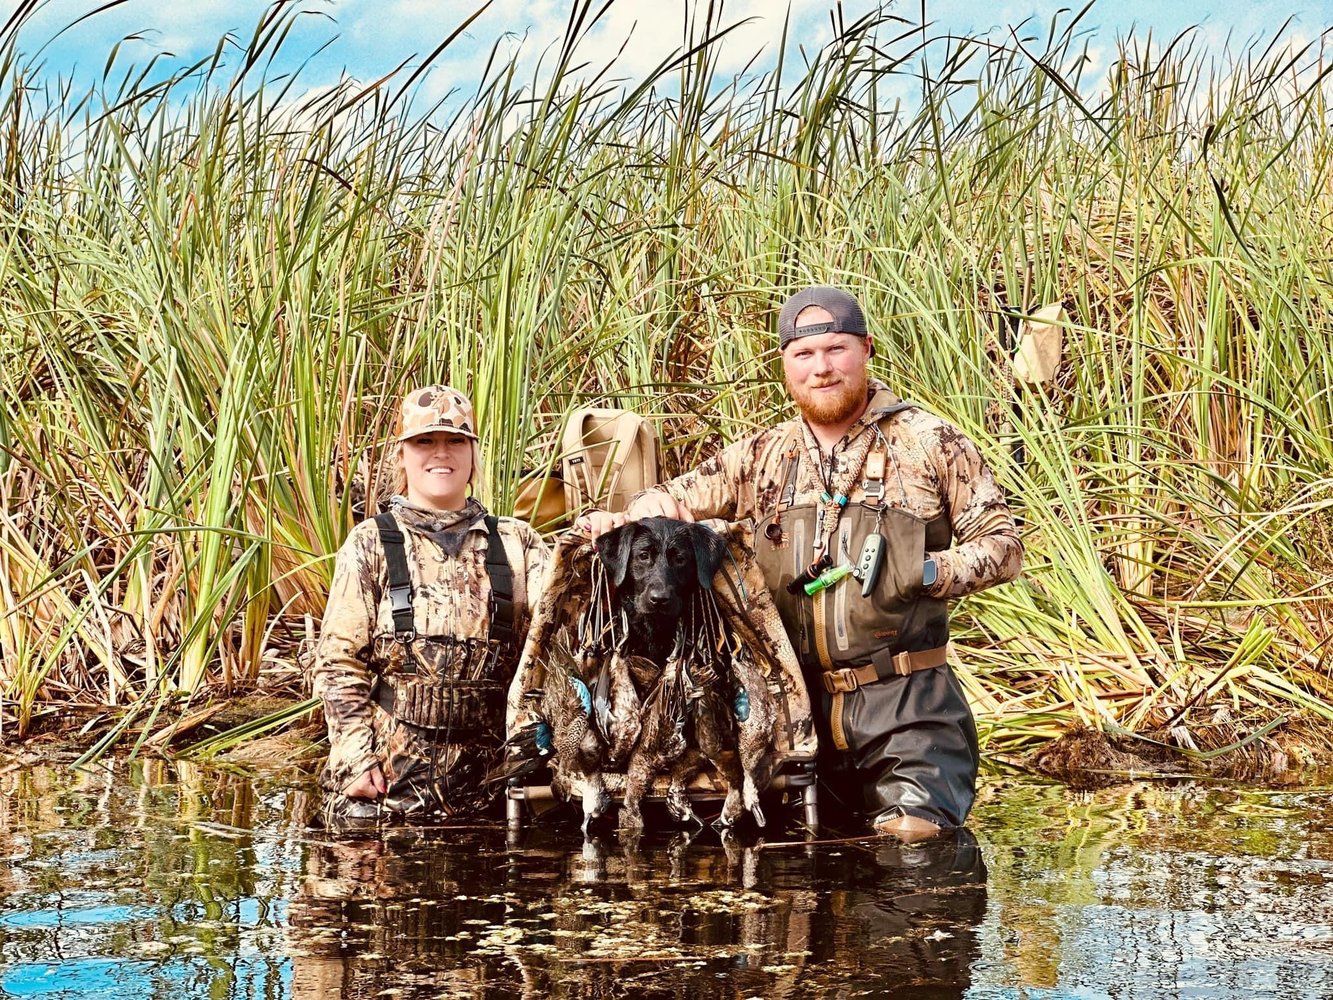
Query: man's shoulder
{"x": 776, "y": 432}
{"x": 915, "y": 414}
{"x": 931, "y": 430}
{"x": 755, "y": 449}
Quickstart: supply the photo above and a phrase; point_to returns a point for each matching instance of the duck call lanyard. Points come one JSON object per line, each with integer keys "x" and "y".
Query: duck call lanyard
{"x": 835, "y": 479}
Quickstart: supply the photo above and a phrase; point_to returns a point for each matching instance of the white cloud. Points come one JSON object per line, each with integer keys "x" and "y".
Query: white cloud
{"x": 376, "y": 35}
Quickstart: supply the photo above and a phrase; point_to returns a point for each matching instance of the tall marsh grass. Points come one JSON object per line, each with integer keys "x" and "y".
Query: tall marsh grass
{"x": 212, "y": 289}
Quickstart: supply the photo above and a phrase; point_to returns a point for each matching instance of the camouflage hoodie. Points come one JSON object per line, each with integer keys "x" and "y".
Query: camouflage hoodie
{"x": 934, "y": 470}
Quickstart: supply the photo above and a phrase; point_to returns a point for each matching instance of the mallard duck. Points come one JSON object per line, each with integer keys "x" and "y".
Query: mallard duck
{"x": 579, "y": 754}
{"x": 715, "y": 735}
{"x": 733, "y": 727}
{"x": 628, "y": 676}
{"x": 755, "y": 714}
{"x": 661, "y": 748}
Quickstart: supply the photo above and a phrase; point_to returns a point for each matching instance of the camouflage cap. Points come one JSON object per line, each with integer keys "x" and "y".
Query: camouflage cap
{"x": 436, "y": 408}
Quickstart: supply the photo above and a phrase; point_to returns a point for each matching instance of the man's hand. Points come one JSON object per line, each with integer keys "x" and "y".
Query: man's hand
{"x": 659, "y": 504}
{"x": 370, "y": 785}
{"x": 653, "y": 504}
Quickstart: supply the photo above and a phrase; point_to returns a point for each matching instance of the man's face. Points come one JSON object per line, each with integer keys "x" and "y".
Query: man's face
{"x": 826, "y": 372}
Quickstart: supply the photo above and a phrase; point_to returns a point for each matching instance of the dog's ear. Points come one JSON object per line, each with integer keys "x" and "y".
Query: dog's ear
{"x": 613, "y": 549}
{"x": 710, "y": 549}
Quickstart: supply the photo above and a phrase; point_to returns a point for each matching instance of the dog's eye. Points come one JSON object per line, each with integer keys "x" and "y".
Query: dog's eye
{"x": 643, "y": 556}
{"x": 679, "y": 556}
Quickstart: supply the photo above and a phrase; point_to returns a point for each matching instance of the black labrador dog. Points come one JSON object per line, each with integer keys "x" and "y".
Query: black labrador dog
{"x": 655, "y": 566}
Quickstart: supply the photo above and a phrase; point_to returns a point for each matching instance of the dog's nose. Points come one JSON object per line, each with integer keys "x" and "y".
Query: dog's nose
{"x": 658, "y": 599}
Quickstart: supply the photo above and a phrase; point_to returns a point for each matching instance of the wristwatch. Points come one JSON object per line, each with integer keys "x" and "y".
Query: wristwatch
{"x": 929, "y": 573}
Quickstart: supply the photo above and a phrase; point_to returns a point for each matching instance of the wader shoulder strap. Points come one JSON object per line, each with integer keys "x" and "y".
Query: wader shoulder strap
{"x": 499, "y": 571}
{"x": 788, "y": 496}
{"x": 400, "y": 581}
{"x": 502, "y": 584}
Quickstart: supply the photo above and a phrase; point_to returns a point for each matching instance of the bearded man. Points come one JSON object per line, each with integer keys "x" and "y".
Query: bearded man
{"x": 870, "y": 514}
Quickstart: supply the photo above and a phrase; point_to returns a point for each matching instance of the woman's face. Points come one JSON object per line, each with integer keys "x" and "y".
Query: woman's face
{"x": 437, "y": 466}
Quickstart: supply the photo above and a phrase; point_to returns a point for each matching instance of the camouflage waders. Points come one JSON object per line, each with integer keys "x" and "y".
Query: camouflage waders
{"x": 424, "y": 704}
{"x": 895, "y": 728}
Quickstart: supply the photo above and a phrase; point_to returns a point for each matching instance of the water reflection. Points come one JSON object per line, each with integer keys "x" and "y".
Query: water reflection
{"x": 121, "y": 877}
{"x": 147, "y": 879}
{"x": 655, "y": 917}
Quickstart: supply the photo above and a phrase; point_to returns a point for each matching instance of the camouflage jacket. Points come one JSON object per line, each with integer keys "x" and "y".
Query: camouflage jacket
{"x": 451, "y": 597}
{"x": 934, "y": 470}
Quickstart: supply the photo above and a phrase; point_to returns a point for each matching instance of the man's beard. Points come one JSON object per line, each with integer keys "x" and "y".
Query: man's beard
{"x": 831, "y": 409}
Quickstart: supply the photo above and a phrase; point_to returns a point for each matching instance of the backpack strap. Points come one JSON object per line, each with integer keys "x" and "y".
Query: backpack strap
{"x": 580, "y": 490}
{"x": 633, "y": 440}
{"x": 502, "y": 584}
{"x": 400, "y": 581}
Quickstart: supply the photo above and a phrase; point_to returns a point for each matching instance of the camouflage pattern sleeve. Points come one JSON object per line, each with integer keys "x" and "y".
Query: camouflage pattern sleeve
{"x": 536, "y": 556}
{"x": 732, "y": 484}
{"x": 340, "y": 675}
{"x": 987, "y": 549}
{"x": 536, "y": 559}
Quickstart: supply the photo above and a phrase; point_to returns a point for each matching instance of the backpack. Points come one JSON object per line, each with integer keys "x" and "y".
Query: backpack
{"x": 606, "y": 456}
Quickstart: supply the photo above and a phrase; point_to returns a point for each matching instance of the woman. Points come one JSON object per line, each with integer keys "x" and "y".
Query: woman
{"x": 426, "y": 617}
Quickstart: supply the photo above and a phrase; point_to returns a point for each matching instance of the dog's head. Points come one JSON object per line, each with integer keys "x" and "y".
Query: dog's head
{"x": 657, "y": 563}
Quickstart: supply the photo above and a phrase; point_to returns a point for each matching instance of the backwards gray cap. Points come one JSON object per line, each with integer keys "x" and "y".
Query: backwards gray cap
{"x": 842, "y": 306}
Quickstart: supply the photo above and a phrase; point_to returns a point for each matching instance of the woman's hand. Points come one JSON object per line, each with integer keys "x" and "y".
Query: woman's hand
{"x": 658, "y": 503}
{"x": 599, "y": 522}
{"x": 370, "y": 785}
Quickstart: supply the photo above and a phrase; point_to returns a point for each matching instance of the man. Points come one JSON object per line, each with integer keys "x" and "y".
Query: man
{"x": 870, "y": 513}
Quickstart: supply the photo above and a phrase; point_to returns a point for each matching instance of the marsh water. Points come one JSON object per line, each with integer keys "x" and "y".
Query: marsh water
{"x": 150, "y": 879}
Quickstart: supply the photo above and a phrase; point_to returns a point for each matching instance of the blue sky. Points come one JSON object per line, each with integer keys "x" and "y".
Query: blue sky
{"x": 367, "y": 38}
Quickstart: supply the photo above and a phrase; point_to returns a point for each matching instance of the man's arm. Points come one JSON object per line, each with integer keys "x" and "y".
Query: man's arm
{"x": 711, "y": 490}
{"x": 987, "y": 549}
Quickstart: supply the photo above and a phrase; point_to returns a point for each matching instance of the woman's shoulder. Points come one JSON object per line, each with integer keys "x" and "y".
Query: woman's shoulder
{"x": 363, "y": 540}
{"x": 517, "y": 528}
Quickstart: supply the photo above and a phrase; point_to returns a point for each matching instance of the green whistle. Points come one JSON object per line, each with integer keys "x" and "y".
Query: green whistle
{"x": 827, "y": 578}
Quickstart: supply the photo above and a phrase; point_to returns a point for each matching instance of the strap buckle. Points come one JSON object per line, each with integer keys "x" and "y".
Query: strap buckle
{"x": 400, "y": 601}
{"x": 902, "y": 664}
{"x": 840, "y": 681}
{"x": 873, "y": 482}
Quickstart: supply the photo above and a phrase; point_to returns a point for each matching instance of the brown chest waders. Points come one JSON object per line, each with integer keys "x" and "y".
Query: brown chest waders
{"x": 875, "y": 648}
